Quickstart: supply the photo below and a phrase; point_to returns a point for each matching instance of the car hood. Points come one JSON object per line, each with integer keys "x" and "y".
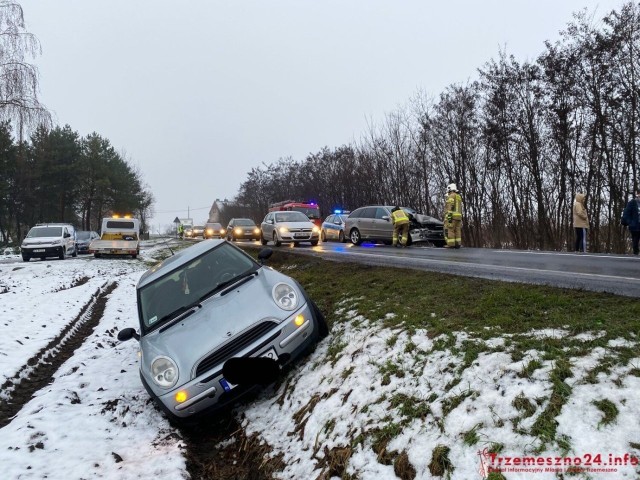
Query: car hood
{"x": 421, "y": 218}
{"x": 40, "y": 240}
{"x": 219, "y": 320}
{"x": 292, "y": 225}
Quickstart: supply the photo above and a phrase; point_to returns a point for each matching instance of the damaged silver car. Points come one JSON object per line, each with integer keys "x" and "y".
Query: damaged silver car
{"x": 373, "y": 223}
{"x": 214, "y": 323}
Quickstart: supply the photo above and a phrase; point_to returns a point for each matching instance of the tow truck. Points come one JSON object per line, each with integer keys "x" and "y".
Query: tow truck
{"x": 119, "y": 236}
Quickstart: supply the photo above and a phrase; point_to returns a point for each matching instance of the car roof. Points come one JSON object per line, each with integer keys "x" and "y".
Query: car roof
{"x": 174, "y": 261}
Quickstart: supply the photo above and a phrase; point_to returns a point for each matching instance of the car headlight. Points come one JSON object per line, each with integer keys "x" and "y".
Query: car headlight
{"x": 56, "y": 242}
{"x": 164, "y": 372}
{"x": 284, "y": 230}
{"x": 223, "y": 231}
{"x": 285, "y": 296}
{"x": 315, "y": 229}
{"x": 256, "y": 230}
{"x": 238, "y": 231}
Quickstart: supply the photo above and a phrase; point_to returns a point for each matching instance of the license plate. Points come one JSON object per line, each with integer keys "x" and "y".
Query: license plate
{"x": 298, "y": 235}
{"x": 39, "y": 250}
{"x": 271, "y": 353}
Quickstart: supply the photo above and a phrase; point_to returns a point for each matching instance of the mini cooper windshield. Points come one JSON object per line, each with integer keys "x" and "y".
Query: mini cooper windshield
{"x": 191, "y": 283}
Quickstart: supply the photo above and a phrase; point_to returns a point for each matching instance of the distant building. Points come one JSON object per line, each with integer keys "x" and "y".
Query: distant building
{"x": 216, "y": 212}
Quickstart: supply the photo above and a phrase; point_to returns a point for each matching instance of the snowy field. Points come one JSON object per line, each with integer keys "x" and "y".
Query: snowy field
{"x": 369, "y": 403}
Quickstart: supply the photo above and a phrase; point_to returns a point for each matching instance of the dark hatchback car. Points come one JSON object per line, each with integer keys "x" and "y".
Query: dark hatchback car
{"x": 374, "y": 223}
{"x": 213, "y": 230}
{"x": 242, "y": 229}
{"x": 84, "y": 238}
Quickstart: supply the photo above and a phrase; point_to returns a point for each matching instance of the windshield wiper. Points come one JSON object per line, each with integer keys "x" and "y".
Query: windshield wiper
{"x": 232, "y": 282}
{"x": 236, "y": 282}
{"x": 179, "y": 314}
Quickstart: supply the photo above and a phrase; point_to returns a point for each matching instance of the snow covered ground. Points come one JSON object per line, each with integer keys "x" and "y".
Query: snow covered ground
{"x": 369, "y": 402}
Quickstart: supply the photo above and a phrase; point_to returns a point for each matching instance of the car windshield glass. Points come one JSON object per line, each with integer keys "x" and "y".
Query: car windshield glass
{"x": 311, "y": 212}
{"x": 83, "y": 235}
{"x": 245, "y": 222}
{"x": 167, "y": 297}
{"x": 291, "y": 217}
{"x": 45, "y": 232}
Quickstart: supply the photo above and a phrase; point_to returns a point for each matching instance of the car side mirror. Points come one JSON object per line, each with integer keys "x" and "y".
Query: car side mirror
{"x": 127, "y": 334}
{"x": 67, "y": 235}
{"x": 385, "y": 217}
{"x": 264, "y": 254}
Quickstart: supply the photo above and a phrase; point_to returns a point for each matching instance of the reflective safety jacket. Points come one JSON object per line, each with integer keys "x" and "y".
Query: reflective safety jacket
{"x": 453, "y": 206}
{"x": 399, "y": 217}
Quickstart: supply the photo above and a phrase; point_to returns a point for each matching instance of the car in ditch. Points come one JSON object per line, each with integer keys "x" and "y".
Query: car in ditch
{"x": 288, "y": 227}
{"x": 373, "y": 223}
{"x": 208, "y": 309}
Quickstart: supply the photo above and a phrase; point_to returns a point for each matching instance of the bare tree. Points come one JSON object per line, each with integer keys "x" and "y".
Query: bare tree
{"x": 19, "y": 79}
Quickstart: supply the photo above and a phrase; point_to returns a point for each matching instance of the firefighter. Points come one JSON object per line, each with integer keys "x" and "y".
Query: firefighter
{"x": 400, "y": 227}
{"x": 453, "y": 217}
{"x": 180, "y": 231}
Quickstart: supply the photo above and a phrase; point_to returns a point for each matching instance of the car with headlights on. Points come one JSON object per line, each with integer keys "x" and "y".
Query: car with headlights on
{"x": 242, "y": 229}
{"x": 288, "y": 227}
{"x": 197, "y": 231}
{"x": 213, "y": 230}
{"x": 208, "y": 306}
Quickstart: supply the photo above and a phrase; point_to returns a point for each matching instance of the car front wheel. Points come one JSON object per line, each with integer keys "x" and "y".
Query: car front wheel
{"x": 26, "y": 258}
{"x": 263, "y": 240}
{"x": 341, "y": 237}
{"x": 355, "y": 236}
{"x": 323, "y": 236}
{"x": 63, "y": 254}
{"x": 276, "y": 241}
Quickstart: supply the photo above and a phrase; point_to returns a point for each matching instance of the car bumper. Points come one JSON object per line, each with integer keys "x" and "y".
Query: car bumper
{"x": 307, "y": 238}
{"x": 42, "y": 251}
{"x": 209, "y": 392}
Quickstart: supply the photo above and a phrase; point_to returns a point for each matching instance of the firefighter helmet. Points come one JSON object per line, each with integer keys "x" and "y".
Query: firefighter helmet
{"x": 452, "y": 187}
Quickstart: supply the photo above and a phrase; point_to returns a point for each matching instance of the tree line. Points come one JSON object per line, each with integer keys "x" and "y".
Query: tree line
{"x": 54, "y": 175}
{"x": 520, "y": 141}
{"x": 58, "y": 176}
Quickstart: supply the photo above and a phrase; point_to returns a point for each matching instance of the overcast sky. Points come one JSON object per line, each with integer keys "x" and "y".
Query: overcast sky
{"x": 197, "y": 93}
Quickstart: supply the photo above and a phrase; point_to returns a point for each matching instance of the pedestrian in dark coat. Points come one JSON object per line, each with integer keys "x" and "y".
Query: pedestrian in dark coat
{"x": 631, "y": 219}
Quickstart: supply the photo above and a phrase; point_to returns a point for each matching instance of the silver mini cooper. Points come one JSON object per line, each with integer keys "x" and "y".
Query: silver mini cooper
{"x": 211, "y": 303}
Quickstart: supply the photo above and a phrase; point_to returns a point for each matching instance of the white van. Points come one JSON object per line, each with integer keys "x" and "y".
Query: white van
{"x": 50, "y": 240}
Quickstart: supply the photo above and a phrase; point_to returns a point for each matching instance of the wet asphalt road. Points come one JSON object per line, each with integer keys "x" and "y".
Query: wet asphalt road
{"x": 612, "y": 273}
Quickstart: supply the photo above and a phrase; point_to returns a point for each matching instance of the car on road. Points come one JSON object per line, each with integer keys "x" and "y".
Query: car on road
{"x": 333, "y": 227}
{"x": 49, "y": 240}
{"x": 84, "y": 238}
{"x": 197, "y": 231}
{"x": 213, "y": 230}
{"x": 242, "y": 229}
{"x": 373, "y": 223}
{"x": 188, "y": 231}
{"x": 205, "y": 308}
{"x": 288, "y": 227}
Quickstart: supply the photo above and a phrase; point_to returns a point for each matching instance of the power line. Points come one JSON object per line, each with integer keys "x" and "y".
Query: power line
{"x": 182, "y": 210}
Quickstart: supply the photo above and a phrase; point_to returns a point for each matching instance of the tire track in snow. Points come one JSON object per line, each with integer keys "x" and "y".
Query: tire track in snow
{"x": 39, "y": 369}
